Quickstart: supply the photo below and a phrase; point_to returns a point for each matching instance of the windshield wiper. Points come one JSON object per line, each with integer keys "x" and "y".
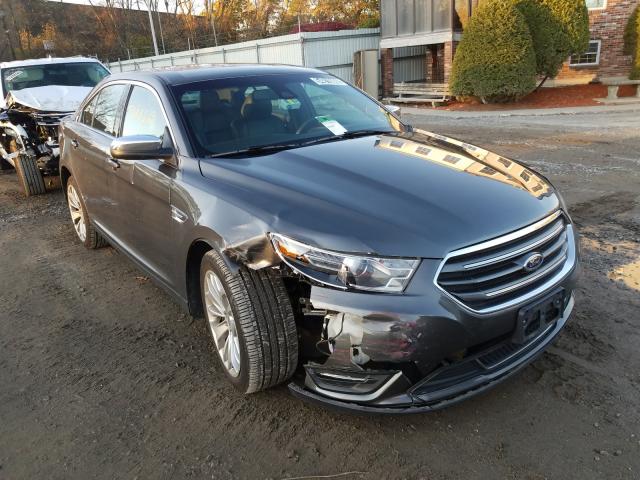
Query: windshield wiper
{"x": 258, "y": 149}
{"x": 348, "y": 135}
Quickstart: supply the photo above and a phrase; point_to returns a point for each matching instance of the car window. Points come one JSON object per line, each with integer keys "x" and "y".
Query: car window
{"x": 87, "y": 113}
{"x": 144, "y": 115}
{"x": 106, "y": 109}
{"x": 78, "y": 74}
{"x": 232, "y": 114}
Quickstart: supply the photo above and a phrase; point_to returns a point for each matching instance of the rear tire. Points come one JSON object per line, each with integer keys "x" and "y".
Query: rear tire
{"x": 29, "y": 175}
{"x": 85, "y": 231}
{"x": 257, "y": 310}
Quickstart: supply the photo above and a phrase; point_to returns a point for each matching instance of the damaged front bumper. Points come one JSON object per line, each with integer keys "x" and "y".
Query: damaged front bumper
{"x": 388, "y": 356}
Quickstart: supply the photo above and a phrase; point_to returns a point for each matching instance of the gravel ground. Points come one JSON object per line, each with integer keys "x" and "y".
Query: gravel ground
{"x": 102, "y": 376}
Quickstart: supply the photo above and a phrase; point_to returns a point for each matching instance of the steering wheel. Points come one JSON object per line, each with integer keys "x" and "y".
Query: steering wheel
{"x": 305, "y": 127}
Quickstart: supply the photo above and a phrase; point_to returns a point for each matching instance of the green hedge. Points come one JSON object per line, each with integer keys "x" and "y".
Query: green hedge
{"x": 574, "y": 16}
{"x": 551, "y": 42}
{"x": 632, "y": 42}
{"x": 495, "y": 60}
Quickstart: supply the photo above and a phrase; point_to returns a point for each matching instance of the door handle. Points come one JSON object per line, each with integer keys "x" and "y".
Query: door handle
{"x": 114, "y": 163}
{"x": 74, "y": 143}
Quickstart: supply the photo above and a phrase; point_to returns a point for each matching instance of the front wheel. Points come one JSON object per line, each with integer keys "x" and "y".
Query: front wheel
{"x": 85, "y": 231}
{"x": 29, "y": 175}
{"x": 250, "y": 318}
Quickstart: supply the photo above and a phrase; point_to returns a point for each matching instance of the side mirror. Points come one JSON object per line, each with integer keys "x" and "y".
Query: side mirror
{"x": 395, "y": 109}
{"x": 140, "y": 147}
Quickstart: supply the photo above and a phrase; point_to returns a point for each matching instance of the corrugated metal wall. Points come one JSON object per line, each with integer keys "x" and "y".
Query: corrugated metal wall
{"x": 329, "y": 51}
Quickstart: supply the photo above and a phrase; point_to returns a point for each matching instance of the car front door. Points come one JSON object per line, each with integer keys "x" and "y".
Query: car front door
{"x": 89, "y": 140}
{"x": 142, "y": 188}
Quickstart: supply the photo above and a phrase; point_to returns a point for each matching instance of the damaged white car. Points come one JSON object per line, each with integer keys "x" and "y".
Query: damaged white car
{"x": 34, "y": 96}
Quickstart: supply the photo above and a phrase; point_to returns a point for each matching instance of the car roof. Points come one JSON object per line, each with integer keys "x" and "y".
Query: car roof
{"x": 47, "y": 60}
{"x": 196, "y": 73}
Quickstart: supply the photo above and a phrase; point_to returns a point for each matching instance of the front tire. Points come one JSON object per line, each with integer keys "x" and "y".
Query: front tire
{"x": 85, "y": 231}
{"x": 250, "y": 318}
{"x": 29, "y": 175}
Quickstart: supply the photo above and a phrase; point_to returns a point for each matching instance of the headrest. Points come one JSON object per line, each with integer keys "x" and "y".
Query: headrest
{"x": 256, "y": 107}
{"x": 209, "y": 99}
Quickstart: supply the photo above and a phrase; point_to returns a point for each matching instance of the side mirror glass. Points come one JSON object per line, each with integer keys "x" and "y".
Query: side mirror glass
{"x": 140, "y": 147}
{"x": 395, "y": 109}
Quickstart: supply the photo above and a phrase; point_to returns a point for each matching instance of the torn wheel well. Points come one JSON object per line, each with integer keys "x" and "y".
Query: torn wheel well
{"x": 64, "y": 177}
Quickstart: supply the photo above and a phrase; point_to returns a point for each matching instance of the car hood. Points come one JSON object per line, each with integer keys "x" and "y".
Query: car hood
{"x": 414, "y": 194}
{"x": 52, "y": 98}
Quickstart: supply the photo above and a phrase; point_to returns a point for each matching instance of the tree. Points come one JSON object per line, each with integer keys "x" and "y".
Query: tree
{"x": 573, "y": 16}
{"x": 632, "y": 42}
{"x": 551, "y": 42}
{"x": 495, "y": 61}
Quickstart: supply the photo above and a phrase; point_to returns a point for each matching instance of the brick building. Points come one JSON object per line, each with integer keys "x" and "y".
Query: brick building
{"x": 605, "y": 57}
{"x": 437, "y": 26}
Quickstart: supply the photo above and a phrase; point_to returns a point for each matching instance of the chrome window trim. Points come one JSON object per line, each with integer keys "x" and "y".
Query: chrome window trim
{"x": 555, "y": 279}
{"x": 124, "y": 110}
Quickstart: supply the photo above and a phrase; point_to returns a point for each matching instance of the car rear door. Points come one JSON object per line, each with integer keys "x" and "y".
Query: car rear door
{"x": 90, "y": 139}
{"x": 141, "y": 188}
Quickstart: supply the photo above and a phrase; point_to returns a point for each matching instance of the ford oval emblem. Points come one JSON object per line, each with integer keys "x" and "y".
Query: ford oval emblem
{"x": 533, "y": 262}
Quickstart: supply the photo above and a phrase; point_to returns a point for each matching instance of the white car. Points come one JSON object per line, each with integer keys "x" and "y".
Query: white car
{"x": 34, "y": 96}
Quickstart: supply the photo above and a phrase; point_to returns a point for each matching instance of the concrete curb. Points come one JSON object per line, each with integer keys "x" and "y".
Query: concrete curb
{"x": 530, "y": 112}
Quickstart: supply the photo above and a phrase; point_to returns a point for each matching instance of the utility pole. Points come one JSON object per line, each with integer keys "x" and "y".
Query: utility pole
{"x": 153, "y": 30}
{"x": 164, "y": 50}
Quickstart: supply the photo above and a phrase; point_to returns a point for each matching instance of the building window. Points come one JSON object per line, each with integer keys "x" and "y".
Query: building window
{"x": 590, "y": 57}
{"x": 596, "y": 4}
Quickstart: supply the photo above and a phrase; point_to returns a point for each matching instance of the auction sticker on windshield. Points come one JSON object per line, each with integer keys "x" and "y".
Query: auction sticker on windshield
{"x": 332, "y": 125}
{"x": 327, "y": 81}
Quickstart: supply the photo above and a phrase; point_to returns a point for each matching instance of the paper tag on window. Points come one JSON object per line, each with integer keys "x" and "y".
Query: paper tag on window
{"x": 332, "y": 125}
{"x": 14, "y": 75}
{"x": 327, "y": 81}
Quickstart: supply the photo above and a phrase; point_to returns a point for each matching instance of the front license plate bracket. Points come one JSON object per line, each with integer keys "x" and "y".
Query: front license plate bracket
{"x": 536, "y": 317}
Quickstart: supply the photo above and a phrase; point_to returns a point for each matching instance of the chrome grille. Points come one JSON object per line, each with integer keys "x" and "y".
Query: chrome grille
{"x": 487, "y": 276}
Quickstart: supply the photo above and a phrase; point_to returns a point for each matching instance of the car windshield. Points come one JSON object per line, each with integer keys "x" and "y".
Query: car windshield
{"x": 244, "y": 114}
{"x": 78, "y": 74}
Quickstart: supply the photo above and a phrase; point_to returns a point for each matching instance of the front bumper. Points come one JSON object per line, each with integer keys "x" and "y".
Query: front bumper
{"x": 422, "y": 350}
{"x": 439, "y": 390}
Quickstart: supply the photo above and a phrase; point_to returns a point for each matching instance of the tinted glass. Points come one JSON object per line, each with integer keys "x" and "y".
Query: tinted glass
{"x": 441, "y": 14}
{"x": 405, "y": 17}
{"x": 423, "y": 16}
{"x": 233, "y": 114}
{"x": 106, "y": 109}
{"x": 77, "y": 74}
{"x": 144, "y": 115}
{"x": 88, "y": 111}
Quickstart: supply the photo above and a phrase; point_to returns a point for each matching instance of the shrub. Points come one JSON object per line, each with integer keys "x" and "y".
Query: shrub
{"x": 551, "y": 43}
{"x": 632, "y": 42}
{"x": 573, "y": 15}
{"x": 631, "y": 33}
{"x": 495, "y": 60}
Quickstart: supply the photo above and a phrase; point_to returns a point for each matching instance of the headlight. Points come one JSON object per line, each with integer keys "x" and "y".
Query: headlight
{"x": 389, "y": 275}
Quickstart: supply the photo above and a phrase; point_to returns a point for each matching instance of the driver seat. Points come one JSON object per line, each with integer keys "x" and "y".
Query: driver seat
{"x": 256, "y": 117}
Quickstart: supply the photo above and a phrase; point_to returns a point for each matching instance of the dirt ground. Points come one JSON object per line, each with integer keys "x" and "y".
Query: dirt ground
{"x": 102, "y": 376}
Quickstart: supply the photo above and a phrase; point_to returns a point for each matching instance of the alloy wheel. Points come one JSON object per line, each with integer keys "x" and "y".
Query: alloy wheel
{"x": 222, "y": 323}
{"x": 77, "y": 215}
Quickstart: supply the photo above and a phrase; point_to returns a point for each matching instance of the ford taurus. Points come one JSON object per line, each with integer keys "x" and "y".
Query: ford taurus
{"x": 375, "y": 266}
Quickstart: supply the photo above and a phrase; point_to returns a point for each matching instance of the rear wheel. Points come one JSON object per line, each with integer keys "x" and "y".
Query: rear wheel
{"x": 85, "y": 231}
{"x": 29, "y": 175}
{"x": 250, "y": 318}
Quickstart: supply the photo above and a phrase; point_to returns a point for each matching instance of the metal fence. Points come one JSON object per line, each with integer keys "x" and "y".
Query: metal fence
{"x": 329, "y": 51}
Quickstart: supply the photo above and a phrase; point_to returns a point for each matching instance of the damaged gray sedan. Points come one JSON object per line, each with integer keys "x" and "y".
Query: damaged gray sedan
{"x": 374, "y": 266}
{"x": 34, "y": 96}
